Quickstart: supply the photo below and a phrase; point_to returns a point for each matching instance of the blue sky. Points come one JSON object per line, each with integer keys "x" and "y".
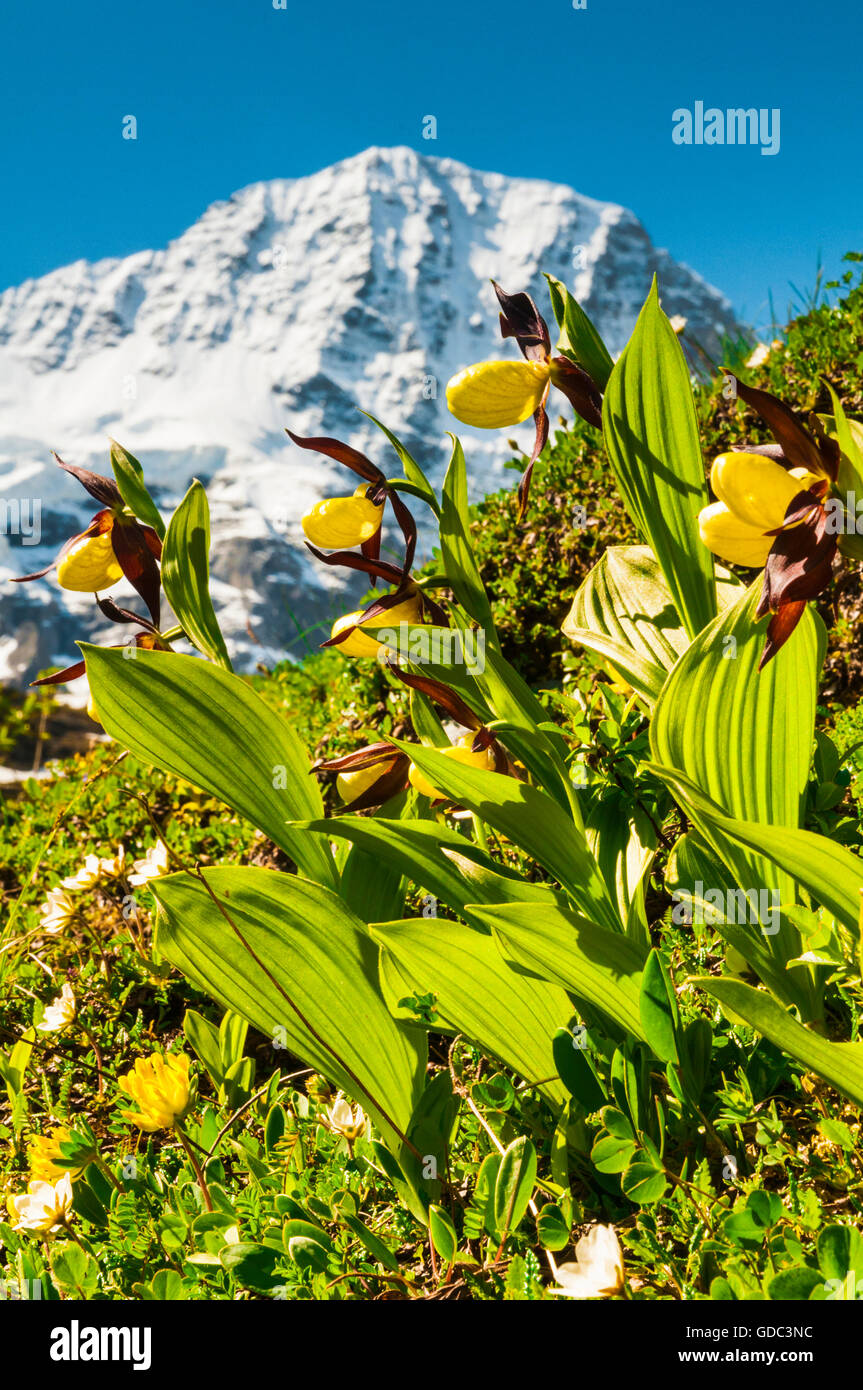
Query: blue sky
{"x": 226, "y": 92}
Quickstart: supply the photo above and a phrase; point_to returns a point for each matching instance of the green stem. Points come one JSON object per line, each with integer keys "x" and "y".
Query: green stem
{"x": 199, "y": 1174}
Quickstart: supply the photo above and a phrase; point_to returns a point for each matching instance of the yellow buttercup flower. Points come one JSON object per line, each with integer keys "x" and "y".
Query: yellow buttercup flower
{"x": 90, "y": 566}
{"x": 159, "y": 1085}
{"x": 492, "y": 395}
{"x": 754, "y": 494}
{"x": 460, "y": 752}
{"x": 44, "y": 1155}
{"x": 359, "y": 644}
{"x": 338, "y": 523}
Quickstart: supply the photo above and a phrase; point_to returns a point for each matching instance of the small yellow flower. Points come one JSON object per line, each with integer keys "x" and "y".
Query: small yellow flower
{"x": 351, "y": 785}
{"x": 460, "y": 752}
{"x": 45, "y": 1157}
{"x": 754, "y": 494}
{"x": 359, "y": 644}
{"x": 44, "y": 1209}
{"x": 59, "y": 1014}
{"x": 160, "y": 1088}
{"x": 90, "y": 565}
{"x": 492, "y": 395}
{"x": 341, "y": 522}
{"x": 346, "y": 1119}
{"x": 598, "y": 1268}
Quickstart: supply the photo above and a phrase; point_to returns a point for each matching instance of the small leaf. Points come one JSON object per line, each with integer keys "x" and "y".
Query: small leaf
{"x": 514, "y": 1186}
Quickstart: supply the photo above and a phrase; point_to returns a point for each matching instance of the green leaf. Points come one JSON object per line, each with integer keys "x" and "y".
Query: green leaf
{"x": 528, "y": 817}
{"x": 794, "y": 1285}
{"x": 510, "y": 1015}
{"x": 74, "y": 1271}
{"x": 455, "y": 544}
{"x": 576, "y": 1072}
{"x": 186, "y": 575}
{"x": 579, "y": 338}
{"x": 643, "y": 1182}
{"x": 251, "y": 1264}
{"x": 650, "y": 430}
{"x": 552, "y": 1227}
{"x": 840, "y": 1251}
{"x": 840, "y": 1063}
{"x": 624, "y": 612}
{"x": 310, "y": 949}
{"x": 206, "y": 725}
{"x": 443, "y": 1233}
{"x": 514, "y": 1185}
{"x": 375, "y": 1246}
{"x": 444, "y": 862}
{"x": 414, "y": 474}
{"x": 203, "y": 1037}
{"x": 660, "y": 1017}
{"x": 602, "y": 967}
{"x": 129, "y": 476}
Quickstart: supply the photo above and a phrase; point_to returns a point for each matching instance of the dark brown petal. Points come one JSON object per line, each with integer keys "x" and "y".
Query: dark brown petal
{"x": 520, "y": 319}
{"x": 71, "y": 673}
{"x": 136, "y": 559}
{"x": 121, "y": 615}
{"x": 796, "y": 442}
{"x": 342, "y": 453}
{"x": 387, "y": 785}
{"x": 371, "y": 550}
{"x": 782, "y": 624}
{"x": 800, "y": 563}
{"x": 380, "y": 569}
{"x": 539, "y": 443}
{"x": 104, "y": 490}
{"x": 451, "y": 703}
{"x": 361, "y": 757}
{"x": 580, "y": 390}
{"x": 408, "y": 526}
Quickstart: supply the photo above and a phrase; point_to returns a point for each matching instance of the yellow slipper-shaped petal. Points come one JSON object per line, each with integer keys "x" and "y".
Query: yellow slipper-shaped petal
{"x": 732, "y": 539}
{"x": 340, "y": 522}
{"x": 460, "y": 753}
{"x": 757, "y": 489}
{"x": 351, "y": 785}
{"x": 492, "y": 395}
{"x": 90, "y": 566}
{"x": 359, "y": 644}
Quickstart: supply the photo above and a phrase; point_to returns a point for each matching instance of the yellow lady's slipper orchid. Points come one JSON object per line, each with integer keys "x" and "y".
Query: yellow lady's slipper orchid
{"x": 90, "y": 566}
{"x": 359, "y": 644}
{"x": 340, "y": 522}
{"x": 460, "y": 752}
{"x": 351, "y": 785}
{"x": 754, "y": 495}
{"x": 46, "y": 1159}
{"x": 492, "y": 395}
{"x": 160, "y": 1088}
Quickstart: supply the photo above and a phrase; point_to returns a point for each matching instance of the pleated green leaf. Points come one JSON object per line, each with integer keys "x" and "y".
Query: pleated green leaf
{"x": 599, "y": 966}
{"x": 306, "y": 977}
{"x": 840, "y": 1063}
{"x": 191, "y": 718}
{"x": 650, "y": 430}
{"x": 511, "y": 1015}
{"x": 186, "y": 575}
{"x": 455, "y": 544}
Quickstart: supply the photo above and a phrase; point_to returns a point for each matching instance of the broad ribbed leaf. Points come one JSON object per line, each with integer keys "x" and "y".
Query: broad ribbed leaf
{"x": 455, "y": 544}
{"x": 839, "y": 1063}
{"x": 313, "y": 956}
{"x": 191, "y": 718}
{"x": 510, "y": 1015}
{"x": 744, "y": 737}
{"x": 445, "y": 863}
{"x": 529, "y": 818}
{"x": 130, "y": 480}
{"x": 186, "y": 575}
{"x": 601, "y": 967}
{"x": 650, "y": 430}
{"x": 579, "y": 338}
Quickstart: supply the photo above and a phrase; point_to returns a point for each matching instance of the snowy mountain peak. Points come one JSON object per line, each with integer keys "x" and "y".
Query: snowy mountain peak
{"x": 295, "y": 302}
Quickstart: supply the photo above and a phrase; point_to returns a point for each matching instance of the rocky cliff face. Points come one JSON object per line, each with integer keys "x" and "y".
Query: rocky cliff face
{"x": 294, "y": 303}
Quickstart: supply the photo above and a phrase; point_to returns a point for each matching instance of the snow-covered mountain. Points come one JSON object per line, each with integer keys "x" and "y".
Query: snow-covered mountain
{"x": 295, "y": 303}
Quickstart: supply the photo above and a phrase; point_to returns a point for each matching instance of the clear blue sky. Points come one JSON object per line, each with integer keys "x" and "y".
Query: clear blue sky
{"x": 227, "y": 92}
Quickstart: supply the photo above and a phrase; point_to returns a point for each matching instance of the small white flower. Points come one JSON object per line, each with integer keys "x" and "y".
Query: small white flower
{"x": 153, "y": 865}
{"x": 598, "y": 1268}
{"x": 116, "y": 867}
{"x": 44, "y": 1208}
{"x": 345, "y": 1118}
{"x": 60, "y": 1013}
{"x": 759, "y": 355}
{"x": 57, "y": 912}
{"x": 678, "y": 322}
{"x": 86, "y": 877}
